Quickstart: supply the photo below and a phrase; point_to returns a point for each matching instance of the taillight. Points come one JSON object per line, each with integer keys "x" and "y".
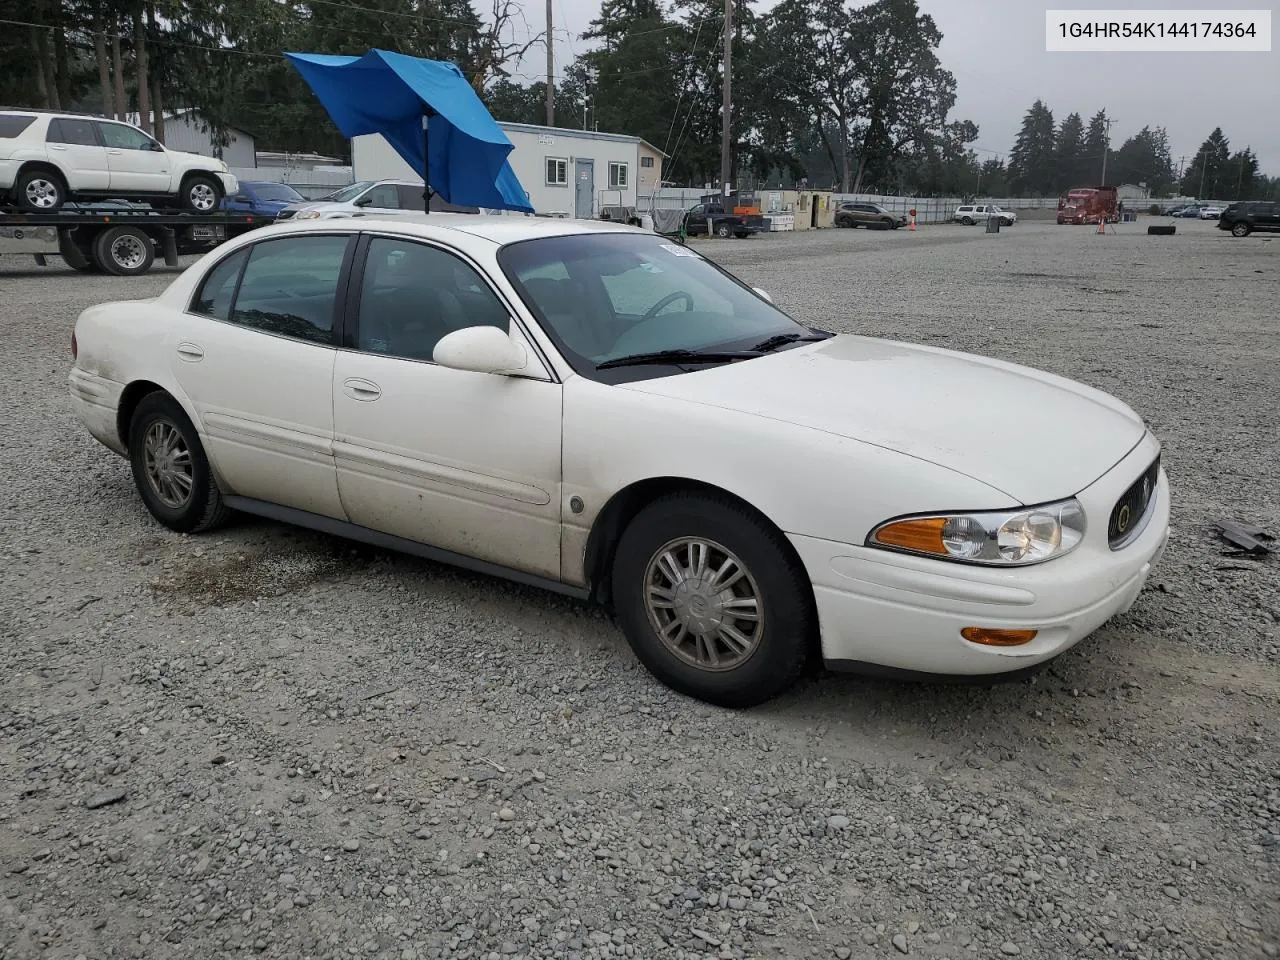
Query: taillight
{"x": 75, "y": 347}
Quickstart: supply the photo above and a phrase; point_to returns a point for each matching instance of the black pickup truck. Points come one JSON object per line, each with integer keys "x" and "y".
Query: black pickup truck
{"x": 710, "y": 218}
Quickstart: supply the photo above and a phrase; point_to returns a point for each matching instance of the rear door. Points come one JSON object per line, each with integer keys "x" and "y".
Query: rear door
{"x": 137, "y": 163}
{"x": 254, "y": 353}
{"x": 73, "y": 144}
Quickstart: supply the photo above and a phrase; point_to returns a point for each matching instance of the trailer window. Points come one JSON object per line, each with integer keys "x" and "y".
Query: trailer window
{"x": 12, "y": 124}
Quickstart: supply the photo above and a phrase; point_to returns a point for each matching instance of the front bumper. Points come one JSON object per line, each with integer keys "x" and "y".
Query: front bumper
{"x": 230, "y": 185}
{"x": 905, "y": 613}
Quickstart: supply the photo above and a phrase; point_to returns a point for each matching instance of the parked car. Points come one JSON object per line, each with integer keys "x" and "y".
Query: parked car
{"x": 860, "y": 214}
{"x": 971, "y": 213}
{"x": 1244, "y": 218}
{"x": 711, "y": 218}
{"x": 1190, "y": 210}
{"x": 594, "y": 409}
{"x": 1210, "y": 212}
{"x": 366, "y": 198}
{"x": 265, "y": 198}
{"x": 48, "y": 159}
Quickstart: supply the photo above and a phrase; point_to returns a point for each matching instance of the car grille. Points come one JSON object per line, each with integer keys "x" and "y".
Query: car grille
{"x": 1129, "y": 515}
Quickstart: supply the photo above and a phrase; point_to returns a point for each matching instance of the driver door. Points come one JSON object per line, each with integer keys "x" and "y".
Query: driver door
{"x": 138, "y": 164}
{"x": 467, "y": 462}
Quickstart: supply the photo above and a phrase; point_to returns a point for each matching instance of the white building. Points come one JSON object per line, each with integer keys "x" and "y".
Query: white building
{"x": 566, "y": 173}
{"x": 188, "y": 131}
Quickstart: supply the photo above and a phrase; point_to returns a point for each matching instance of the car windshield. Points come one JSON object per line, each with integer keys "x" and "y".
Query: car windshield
{"x": 604, "y": 296}
{"x": 347, "y": 194}
{"x": 276, "y": 191}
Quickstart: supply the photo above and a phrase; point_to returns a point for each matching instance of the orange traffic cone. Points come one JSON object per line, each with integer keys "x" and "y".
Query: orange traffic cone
{"x": 1102, "y": 224}
{"x": 912, "y": 225}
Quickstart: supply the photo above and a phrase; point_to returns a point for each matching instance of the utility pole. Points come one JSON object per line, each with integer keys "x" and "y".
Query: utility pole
{"x": 1204, "y": 158}
{"x": 1106, "y": 143}
{"x": 726, "y": 161}
{"x": 551, "y": 69}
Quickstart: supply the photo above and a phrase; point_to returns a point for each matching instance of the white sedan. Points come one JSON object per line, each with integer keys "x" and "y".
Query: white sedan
{"x": 594, "y": 409}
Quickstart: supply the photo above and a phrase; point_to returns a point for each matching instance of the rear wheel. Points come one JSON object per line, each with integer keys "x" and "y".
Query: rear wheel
{"x": 40, "y": 191}
{"x": 712, "y": 601}
{"x": 1240, "y": 230}
{"x": 724, "y": 230}
{"x": 967, "y": 221}
{"x": 170, "y": 469}
{"x": 124, "y": 251}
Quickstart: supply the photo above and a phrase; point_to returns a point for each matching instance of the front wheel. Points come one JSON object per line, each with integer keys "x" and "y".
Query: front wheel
{"x": 170, "y": 469}
{"x": 967, "y": 221}
{"x": 712, "y": 601}
{"x": 1240, "y": 230}
{"x": 201, "y": 194}
{"x": 724, "y": 230}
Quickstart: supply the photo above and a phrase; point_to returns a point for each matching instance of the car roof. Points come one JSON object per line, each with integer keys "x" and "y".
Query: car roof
{"x": 496, "y": 228}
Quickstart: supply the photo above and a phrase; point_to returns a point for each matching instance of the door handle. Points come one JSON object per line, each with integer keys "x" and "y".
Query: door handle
{"x": 190, "y": 352}
{"x": 359, "y": 389}
{"x": 57, "y": 146}
{"x": 114, "y": 153}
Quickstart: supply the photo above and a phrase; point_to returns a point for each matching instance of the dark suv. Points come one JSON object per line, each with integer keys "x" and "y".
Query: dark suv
{"x": 868, "y": 215}
{"x": 1244, "y": 218}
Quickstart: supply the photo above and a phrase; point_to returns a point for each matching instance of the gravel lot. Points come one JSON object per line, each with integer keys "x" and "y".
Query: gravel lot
{"x": 264, "y": 741}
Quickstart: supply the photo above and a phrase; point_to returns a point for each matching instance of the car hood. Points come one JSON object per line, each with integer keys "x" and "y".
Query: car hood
{"x": 1031, "y": 435}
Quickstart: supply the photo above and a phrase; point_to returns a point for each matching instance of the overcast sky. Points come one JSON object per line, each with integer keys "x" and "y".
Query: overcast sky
{"x": 996, "y": 50}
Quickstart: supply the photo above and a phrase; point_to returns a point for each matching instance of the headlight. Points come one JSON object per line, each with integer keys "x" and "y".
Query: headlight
{"x": 1000, "y": 538}
{"x": 306, "y": 215}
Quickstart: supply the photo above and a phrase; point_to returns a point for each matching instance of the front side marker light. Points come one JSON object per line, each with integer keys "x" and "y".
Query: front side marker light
{"x": 990, "y": 637}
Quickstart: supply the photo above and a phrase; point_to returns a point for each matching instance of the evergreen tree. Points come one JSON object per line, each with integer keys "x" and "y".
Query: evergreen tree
{"x": 1032, "y": 160}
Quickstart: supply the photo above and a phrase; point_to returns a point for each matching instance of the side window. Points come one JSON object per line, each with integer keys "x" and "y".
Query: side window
{"x": 412, "y": 295}
{"x": 71, "y": 130}
{"x": 290, "y": 287}
{"x": 119, "y": 137}
{"x": 557, "y": 171}
{"x": 617, "y": 174}
{"x": 384, "y": 195}
{"x": 214, "y": 297}
{"x": 410, "y": 198}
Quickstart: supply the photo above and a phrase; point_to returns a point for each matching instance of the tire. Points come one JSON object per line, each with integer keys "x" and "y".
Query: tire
{"x": 724, "y": 230}
{"x": 201, "y": 194}
{"x": 967, "y": 221}
{"x": 40, "y": 191}
{"x": 185, "y": 507}
{"x": 889, "y": 224}
{"x": 124, "y": 251}
{"x": 1240, "y": 230}
{"x": 777, "y": 646}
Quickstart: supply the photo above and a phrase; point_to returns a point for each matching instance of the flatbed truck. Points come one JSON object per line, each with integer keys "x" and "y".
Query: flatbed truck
{"x": 121, "y": 240}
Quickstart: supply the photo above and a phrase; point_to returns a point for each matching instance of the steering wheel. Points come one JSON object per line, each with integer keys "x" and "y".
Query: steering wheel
{"x": 666, "y": 301}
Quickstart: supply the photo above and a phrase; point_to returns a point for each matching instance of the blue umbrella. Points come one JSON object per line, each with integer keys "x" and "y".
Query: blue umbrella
{"x": 428, "y": 112}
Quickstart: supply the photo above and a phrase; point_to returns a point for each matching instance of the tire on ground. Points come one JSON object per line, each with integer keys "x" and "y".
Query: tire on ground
{"x": 124, "y": 251}
{"x": 784, "y": 636}
{"x": 186, "y": 507}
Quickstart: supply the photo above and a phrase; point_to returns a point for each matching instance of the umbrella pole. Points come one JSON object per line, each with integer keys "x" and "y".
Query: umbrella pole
{"x": 426, "y": 166}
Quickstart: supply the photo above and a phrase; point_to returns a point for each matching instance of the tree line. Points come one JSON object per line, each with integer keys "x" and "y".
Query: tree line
{"x": 823, "y": 94}
{"x": 1047, "y": 159}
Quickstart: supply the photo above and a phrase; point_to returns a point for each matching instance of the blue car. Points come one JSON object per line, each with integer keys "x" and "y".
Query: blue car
{"x": 264, "y": 198}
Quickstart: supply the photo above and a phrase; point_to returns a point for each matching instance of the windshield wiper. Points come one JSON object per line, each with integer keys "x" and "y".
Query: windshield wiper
{"x": 782, "y": 339}
{"x": 678, "y": 356}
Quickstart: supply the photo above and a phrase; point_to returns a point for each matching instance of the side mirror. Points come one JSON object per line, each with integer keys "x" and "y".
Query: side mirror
{"x": 764, "y": 294}
{"x": 364, "y": 201}
{"x": 481, "y": 349}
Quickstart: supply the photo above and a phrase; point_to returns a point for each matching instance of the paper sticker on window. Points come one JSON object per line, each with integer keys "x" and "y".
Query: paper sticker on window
{"x": 678, "y": 250}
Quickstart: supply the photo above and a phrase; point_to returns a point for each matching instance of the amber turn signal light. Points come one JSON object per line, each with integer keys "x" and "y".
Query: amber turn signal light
{"x": 923, "y": 535}
{"x": 997, "y": 638}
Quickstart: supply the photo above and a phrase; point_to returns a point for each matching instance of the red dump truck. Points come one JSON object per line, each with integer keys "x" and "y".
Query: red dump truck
{"x": 1089, "y": 205}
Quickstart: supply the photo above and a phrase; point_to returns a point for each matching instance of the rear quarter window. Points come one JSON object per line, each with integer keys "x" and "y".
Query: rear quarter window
{"x": 12, "y": 124}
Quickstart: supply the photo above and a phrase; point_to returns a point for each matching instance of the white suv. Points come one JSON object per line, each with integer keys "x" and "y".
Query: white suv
{"x": 48, "y": 159}
{"x": 971, "y": 213}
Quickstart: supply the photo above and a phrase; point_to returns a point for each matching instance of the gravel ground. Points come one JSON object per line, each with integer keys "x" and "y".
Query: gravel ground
{"x": 264, "y": 741}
